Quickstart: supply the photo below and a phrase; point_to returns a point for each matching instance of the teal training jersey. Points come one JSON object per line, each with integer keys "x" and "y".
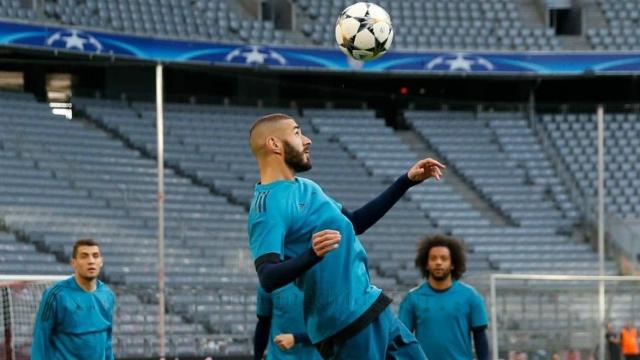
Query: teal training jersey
{"x": 442, "y": 320}
{"x": 283, "y": 217}
{"x": 72, "y": 323}
{"x": 284, "y": 306}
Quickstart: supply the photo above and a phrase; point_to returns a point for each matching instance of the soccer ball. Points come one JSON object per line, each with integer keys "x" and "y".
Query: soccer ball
{"x": 364, "y": 31}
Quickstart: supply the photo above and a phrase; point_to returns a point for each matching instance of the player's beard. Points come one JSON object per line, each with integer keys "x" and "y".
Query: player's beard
{"x": 295, "y": 159}
{"x": 445, "y": 275}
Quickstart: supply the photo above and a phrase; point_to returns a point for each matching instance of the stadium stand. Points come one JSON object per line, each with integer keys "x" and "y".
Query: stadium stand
{"x": 97, "y": 187}
{"x": 101, "y": 167}
{"x": 14, "y": 9}
{"x": 498, "y": 155}
{"x": 95, "y": 175}
{"x": 137, "y": 328}
{"x": 228, "y": 168}
{"x": 22, "y": 258}
{"x": 433, "y": 24}
{"x": 574, "y": 137}
{"x": 622, "y": 31}
{"x": 219, "y": 20}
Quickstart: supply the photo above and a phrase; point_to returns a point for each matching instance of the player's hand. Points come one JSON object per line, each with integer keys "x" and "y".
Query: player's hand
{"x": 325, "y": 241}
{"x": 285, "y": 341}
{"x": 426, "y": 168}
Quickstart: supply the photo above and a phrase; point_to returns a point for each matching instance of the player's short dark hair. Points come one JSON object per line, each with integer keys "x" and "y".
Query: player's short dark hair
{"x": 83, "y": 242}
{"x": 267, "y": 119}
{"x": 458, "y": 260}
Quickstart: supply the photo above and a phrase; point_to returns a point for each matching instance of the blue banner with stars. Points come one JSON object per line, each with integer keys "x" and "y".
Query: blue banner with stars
{"x": 276, "y": 57}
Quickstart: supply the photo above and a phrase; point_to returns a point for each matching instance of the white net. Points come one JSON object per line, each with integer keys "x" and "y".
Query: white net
{"x": 19, "y": 299}
{"x": 536, "y": 316}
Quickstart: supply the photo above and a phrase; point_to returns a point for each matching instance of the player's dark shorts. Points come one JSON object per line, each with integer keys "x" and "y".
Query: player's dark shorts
{"x": 385, "y": 338}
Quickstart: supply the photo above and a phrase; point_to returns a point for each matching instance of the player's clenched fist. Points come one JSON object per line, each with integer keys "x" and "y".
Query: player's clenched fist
{"x": 285, "y": 341}
{"x": 325, "y": 241}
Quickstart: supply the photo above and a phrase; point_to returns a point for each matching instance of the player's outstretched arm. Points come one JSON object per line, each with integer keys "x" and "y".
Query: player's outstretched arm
{"x": 365, "y": 217}
{"x": 274, "y": 274}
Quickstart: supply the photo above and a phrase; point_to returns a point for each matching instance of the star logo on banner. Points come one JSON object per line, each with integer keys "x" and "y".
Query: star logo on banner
{"x": 460, "y": 62}
{"x": 74, "y": 40}
{"x": 256, "y": 55}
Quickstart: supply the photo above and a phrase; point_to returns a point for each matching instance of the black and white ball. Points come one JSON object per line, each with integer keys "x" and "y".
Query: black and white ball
{"x": 364, "y": 31}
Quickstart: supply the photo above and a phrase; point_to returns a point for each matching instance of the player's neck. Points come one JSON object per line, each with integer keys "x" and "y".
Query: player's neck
{"x": 440, "y": 284}
{"x": 86, "y": 284}
{"x": 274, "y": 171}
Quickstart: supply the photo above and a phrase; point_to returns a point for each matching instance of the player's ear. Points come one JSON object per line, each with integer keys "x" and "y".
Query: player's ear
{"x": 274, "y": 145}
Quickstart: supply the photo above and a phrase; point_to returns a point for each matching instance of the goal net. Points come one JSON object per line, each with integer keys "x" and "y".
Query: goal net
{"x": 535, "y": 316}
{"x": 19, "y": 299}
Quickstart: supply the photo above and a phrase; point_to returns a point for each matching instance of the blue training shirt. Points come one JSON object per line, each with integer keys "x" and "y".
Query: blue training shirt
{"x": 283, "y": 217}
{"x": 72, "y": 323}
{"x": 442, "y": 320}
{"x": 284, "y": 306}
